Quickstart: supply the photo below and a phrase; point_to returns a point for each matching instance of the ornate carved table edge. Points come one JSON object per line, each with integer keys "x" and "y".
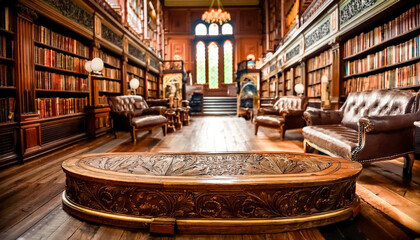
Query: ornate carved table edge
{"x": 265, "y": 192}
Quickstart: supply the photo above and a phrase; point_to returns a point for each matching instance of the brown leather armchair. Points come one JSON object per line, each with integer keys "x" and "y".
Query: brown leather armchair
{"x": 286, "y": 113}
{"x": 131, "y": 113}
{"x": 370, "y": 126}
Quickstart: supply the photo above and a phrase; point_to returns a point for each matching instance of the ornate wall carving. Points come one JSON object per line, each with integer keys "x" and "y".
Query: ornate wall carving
{"x": 353, "y": 8}
{"x": 293, "y": 53}
{"x": 322, "y": 31}
{"x": 136, "y": 53}
{"x": 71, "y": 10}
{"x": 109, "y": 35}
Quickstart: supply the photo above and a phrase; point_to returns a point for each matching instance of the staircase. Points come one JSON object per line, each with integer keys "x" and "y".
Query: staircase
{"x": 219, "y": 105}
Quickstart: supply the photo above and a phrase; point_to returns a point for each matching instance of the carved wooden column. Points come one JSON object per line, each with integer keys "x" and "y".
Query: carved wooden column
{"x": 303, "y": 75}
{"x": 30, "y": 129}
{"x": 146, "y": 78}
{"x": 336, "y": 67}
{"x": 124, "y": 62}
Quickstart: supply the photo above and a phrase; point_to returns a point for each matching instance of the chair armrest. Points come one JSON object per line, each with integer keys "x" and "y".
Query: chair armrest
{"x": 285, "y": 113}
{"x": 322, "y": 117}
{"x": 268, "y": 111}
{"x": 377, "y": 124}
{"x": 156, "y": 110}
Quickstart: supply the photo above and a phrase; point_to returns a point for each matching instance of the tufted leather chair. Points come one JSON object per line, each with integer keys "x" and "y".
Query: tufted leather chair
{"x": 132, "y": 113}
{"x": 286, "y": 113}
{"x": 370, "y": 126}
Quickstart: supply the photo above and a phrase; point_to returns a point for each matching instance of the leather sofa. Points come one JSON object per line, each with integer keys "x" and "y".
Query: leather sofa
{"x": 286, "y": 113}
{"x": 131, "y": 113}
{"x": 370, "y": 126}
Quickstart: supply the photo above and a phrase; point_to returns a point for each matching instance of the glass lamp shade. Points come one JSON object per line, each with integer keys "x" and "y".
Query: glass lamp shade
{"x": 299, "y": 88}
{"x": 97, "y": 65}
{"x": 134, "y": 83}
{"x": 88, "y": 66}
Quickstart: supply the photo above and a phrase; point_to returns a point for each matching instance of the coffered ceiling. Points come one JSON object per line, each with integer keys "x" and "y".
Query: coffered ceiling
{"x": 206, "y": 3}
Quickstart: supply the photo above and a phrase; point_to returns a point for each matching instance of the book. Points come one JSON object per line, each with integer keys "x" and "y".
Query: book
{"x": 51, "y": 107}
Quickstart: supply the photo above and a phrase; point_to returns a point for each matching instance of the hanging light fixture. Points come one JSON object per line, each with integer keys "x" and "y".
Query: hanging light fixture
{"x": 216, "y": 15}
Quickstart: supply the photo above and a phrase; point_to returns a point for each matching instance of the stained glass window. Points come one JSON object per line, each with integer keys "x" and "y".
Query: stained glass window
{"x": 227, "y": 29}
{"x": 214, "y": 29}
{"x": 213, "y": 65}
{"x": 201, "y": 63}
{"x": 228, "y": 61}
{"x": 200, "y": 29}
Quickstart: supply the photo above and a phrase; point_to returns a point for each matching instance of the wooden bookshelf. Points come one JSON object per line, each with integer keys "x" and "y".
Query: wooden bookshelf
{"x": 385, "y": 57}
{"x": 288, "y": 82}
{"x": 134, "y": 71}
{"x": 317, "y": 67}
{"x": 152, "y": 86}
{"x": 272, "y": 86}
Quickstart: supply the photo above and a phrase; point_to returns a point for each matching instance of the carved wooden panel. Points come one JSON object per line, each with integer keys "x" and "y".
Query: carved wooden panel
{"x": 222, "y": 186}
{"x": 177, "y": 23}
{"x": 249, "y": 21}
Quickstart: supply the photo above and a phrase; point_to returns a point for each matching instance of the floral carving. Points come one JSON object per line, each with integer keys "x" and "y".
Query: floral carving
{"x": 208, "y": 164}
{"x": 186, "y": 203}
{"x": 293, "y": 53}
{"x": 353, "y": 8}
{"x": 322, "y": 31}
{"x": 71, "y": 10}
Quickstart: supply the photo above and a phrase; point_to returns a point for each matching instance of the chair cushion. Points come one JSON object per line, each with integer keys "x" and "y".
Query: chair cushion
{"x": 148, "y": 120}
{"x": 269, "y": 120}
{"x": 337, "y": 139}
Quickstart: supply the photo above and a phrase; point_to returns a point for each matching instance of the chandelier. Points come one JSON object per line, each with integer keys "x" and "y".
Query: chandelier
{"x": 216, "y": 16}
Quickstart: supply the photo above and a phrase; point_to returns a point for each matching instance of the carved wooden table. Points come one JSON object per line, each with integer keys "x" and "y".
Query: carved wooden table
{"x": 211, "y": 192}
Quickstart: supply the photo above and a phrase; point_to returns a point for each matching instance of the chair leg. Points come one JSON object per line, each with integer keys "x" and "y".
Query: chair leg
{"x": 133, "y": 134}
{"x": 256, "y": 129}
{"x": 306, "y": 147}
{"x": 150, "y": 131}
{"x": 115, "y": 134}
{"x": 164, "y": 129}
{"x": 408, "y": 165}
{"x": 282, "y": 132}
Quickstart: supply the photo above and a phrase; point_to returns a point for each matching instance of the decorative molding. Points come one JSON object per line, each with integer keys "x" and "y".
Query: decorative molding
{"x": 352, "y": 8}
{"x": 71, "y": 10}
{"x": 136, "y": 53}
{"x": 204, "y": 203}
{"x": 109, "y": 35}
{"x": 108, "y": 8}
{"x": 273, "y": 66}
{"x": 26, "y": 12}
{"x": 154, "y": 64}
{"x": 293, "y": 53}
{"x": 322, "y": 31}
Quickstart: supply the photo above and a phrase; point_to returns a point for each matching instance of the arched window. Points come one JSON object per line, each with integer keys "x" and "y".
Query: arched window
{"x": 200, "y": 30}
{"x": 227, "y": 29}
{"x": 201, "y": 62}
{"x": 213, "y": 65}
{"x": 228, "y": 61}
{"x": 213, "y": 29}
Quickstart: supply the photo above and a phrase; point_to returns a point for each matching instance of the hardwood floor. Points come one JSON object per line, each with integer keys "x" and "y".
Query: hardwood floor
{"x": 30, "y": 194}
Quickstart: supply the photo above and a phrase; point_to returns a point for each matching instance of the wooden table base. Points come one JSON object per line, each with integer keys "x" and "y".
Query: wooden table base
{"x": 211, "y": 192}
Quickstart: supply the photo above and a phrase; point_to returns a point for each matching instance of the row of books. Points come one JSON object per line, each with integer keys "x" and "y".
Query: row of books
{"x": 152, "y": 77}
{"x": 7, "y": 75}
{"x": 135, "y": 70}
{"x": 7, "y": 109}
{"x": 298, "y": 72}
{"x": 407, "y": 21}
{"x": 322, "y": 60}
{"x": 46, "y": 36}
{"x": 131, "y": 76}
{"x": 391, "y": 55}
{"x": 111, "y": 73}
{"x": 109, "y": 59}
{"x": 103, "y": 100}
{"x": 5, "y": 18}
{"x": 6, "y": 47}
{"x": 315, "y": 77}
{"x": 51, "y": 58}
{"x": 51, "y": 107}
{"x": 314, "y": 91}
{"x": 395, "y": 78}
{"x": 54, "y": 81}
{"x": 108, "y": 86}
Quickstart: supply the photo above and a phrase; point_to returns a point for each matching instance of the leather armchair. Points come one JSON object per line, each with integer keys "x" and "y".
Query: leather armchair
{"x": 286, "y": 113}
{"x": 370, "y": 126}
{"x": 131, "y": 113}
